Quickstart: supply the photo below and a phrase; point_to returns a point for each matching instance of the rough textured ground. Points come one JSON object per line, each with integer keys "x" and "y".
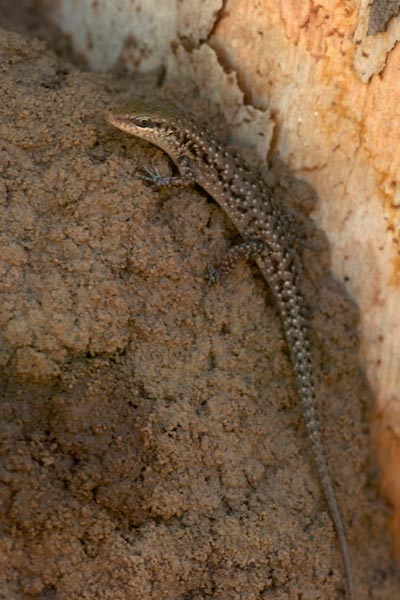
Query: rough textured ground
{"x": 152, "y": 443}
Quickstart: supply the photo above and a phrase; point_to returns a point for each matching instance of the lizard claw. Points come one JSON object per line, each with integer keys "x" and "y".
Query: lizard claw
{"x": 212, "y": 276}
{"x": 153, "y": 177}
{"x": 151, "y": 173}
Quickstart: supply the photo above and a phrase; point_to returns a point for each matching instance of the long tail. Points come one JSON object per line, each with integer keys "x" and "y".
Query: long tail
{"x": 291, "y": 306}
{"x": 317, "y": 447}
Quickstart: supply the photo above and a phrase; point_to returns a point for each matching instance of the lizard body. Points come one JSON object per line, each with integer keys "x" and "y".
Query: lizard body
{"x": 202, "y": 159}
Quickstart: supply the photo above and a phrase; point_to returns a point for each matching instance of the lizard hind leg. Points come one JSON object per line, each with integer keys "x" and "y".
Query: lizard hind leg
{"x": 248, "y": 250}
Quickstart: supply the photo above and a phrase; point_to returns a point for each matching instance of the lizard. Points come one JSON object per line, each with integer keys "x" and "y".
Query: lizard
{"x": 264, "y": 226}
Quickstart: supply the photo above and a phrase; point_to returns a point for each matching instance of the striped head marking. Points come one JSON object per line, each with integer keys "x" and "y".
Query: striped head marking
{"x": 157, "y": 123}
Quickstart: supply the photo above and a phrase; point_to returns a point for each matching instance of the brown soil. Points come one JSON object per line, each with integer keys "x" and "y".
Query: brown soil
{"x": 152, "y": 442}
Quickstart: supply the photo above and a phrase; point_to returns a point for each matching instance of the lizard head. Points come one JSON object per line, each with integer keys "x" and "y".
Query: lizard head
{"x": 148, "y": 120}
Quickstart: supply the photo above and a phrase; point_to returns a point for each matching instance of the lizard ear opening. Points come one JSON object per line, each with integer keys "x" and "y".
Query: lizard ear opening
{"x": 143, "y": 122}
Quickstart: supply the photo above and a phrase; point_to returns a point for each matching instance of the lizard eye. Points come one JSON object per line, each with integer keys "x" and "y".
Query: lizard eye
{"x": 143, "y": 121}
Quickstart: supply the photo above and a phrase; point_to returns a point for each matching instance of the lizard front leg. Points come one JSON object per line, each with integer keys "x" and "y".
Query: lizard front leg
{"x": 185, "y": 178}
